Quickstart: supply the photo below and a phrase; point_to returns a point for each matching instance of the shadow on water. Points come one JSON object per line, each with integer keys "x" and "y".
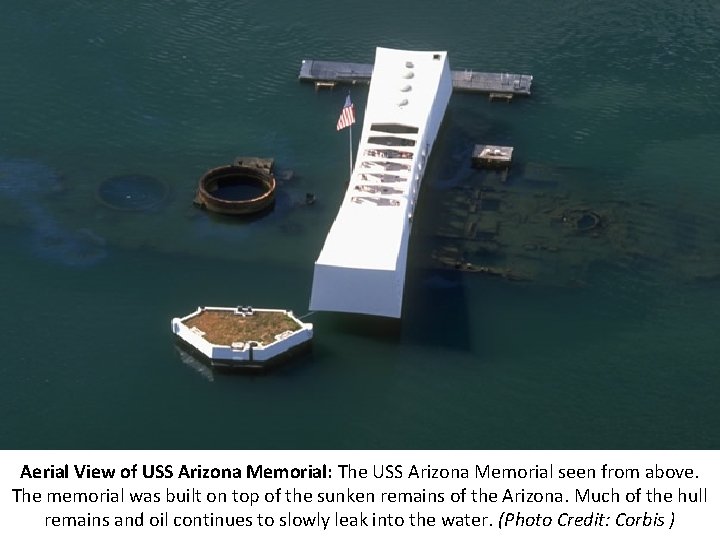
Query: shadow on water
{"x": 287, "y": 367}
{"x": 382, "y": 329}
{"x": 435, "y": 310}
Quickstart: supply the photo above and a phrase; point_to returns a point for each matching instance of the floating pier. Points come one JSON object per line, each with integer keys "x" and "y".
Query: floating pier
{"x": 324, "y": 73}
{"x": 497, "y": 84}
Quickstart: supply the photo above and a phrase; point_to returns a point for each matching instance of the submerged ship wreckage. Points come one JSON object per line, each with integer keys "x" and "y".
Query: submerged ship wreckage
{"x": 243, "y": 188}
{"x": 533, "y": 223}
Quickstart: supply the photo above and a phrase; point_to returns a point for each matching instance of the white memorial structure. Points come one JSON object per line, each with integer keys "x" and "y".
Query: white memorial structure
{"x": 361, "y": 268}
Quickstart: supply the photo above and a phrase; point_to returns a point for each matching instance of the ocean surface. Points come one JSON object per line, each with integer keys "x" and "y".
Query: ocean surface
{"x": 611, "y": 342}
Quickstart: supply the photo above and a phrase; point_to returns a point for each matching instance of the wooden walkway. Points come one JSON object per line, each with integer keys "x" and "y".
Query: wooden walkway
{"x": 466, "y": 80}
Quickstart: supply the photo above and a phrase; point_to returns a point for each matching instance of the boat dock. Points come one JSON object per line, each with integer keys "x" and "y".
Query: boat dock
{"x": 327, "y": 74}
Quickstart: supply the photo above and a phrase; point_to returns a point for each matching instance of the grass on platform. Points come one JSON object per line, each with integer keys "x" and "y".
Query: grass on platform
{"x": 225, "y": 327}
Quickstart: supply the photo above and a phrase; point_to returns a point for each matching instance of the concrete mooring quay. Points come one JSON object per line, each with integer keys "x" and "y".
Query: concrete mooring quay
{"x": 325, "y": 73}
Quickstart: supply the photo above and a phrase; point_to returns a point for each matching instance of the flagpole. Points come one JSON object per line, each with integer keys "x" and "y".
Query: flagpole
{"x": 351, "y": 152}
{"x": 346, "y": 120}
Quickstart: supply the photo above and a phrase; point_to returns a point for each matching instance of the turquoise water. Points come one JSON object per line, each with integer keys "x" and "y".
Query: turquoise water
{"x": 610, "y": 347}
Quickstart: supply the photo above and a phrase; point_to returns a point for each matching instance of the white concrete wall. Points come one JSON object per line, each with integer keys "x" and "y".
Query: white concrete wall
{"x": 191, "y": 337}
{"x": 440, "y": 104}
{"x": 261, "y": 353}
{"x": 357, "y": 290}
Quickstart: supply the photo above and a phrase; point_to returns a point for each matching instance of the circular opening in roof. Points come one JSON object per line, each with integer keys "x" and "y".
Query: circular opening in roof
{"x": 409, "y": 74}
{"x": 132, "y": 192}
{"x": 406, "y": 88}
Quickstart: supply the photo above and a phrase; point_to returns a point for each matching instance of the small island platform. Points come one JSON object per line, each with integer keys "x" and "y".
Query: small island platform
{"x": 242, "y": 337}
{"x": 491, "y": 156}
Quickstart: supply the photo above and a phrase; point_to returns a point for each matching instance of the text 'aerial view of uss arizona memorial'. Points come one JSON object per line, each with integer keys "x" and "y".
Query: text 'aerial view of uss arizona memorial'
{"x": 361, "y": 267}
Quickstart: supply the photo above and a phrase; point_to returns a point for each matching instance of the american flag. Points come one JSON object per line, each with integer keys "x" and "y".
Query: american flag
{"x": 347, "y": 115}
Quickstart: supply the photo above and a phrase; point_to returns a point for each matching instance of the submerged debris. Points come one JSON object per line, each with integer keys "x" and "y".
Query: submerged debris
{"x": 243, "y": 188}
{"x": 132, "y": 192}
{"x": 534, "y": 224}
